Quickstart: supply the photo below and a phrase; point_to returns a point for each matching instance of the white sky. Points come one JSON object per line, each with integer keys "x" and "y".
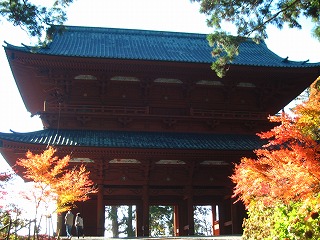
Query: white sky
{"x": 164, "y": 15}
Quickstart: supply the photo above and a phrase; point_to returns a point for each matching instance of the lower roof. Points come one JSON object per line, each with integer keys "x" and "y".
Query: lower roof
{"x": 129, "y": 139}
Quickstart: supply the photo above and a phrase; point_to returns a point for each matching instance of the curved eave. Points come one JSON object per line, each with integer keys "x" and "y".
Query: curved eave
{"x": 136, "y": 140}
{"x": 127, "y": 44}
{"x": 281, "y": 63}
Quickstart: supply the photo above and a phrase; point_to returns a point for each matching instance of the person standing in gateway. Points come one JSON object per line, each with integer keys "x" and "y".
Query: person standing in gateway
{"x": 68, "y": 220}
{"x": 79, "y": 225}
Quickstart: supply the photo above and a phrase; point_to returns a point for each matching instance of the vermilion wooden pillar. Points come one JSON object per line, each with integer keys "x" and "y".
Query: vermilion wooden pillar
{"x": 145, "y": 207}
{"x": 176, "y": 224}
{"x": 88, "y": 210}
{"x": 221, "y": 217}
{"x": 215, "y": 223}
{"x": 190, "y": 210}
{"x": 190, "y": 215}
{"x": 225, "y": 222}
{"x": 139, "y": 219}
{"x": 100, "y": 211}
{"x": 183, "y": 219}
{"x": 238, "y": 214}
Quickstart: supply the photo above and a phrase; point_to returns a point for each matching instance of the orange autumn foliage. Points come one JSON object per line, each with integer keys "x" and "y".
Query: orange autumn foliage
{"x": 287, "y": 168}
{"x": 55, "y": 181}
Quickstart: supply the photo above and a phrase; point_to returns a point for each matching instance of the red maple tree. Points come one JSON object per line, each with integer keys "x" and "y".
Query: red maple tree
{"x": 288, "y": 167}
{"x": 55, "y": 181}
{"x": 284, "y": 179}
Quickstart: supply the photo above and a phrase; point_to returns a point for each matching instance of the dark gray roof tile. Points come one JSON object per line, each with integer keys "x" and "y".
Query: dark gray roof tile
{"x": 111, "y": 43}
{"x": 146, "y": 140}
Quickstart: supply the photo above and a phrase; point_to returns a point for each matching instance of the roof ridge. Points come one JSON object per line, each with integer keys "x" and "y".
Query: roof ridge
{"x": 134, "y": 31}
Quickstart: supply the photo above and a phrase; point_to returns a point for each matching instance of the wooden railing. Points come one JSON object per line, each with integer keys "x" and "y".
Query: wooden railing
{"x": 149, "y": 111}
{"x": 91, "y": 109}
{"x": 219, "y": 114}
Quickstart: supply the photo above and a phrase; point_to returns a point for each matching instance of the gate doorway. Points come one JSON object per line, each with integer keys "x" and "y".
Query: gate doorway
{"x": 120, "y": 221}
{"x": 206, "y": 219}
{"x": 161, "y": 221}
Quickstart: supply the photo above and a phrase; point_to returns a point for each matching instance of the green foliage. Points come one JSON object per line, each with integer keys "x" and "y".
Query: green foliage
{"x": 161, "y": 220}
{"x": 251, "y": 19}
{"x": 33, "y": 18}
{"x": 259, "y": 222}
{"x": 309, "y": 113}
{"x": 295, "y": 220}
{"x": 10, "y": 214}
{"x": 224, "y": 50}
{"x": 11, "y": 220}
{"x": 202, "y": 224}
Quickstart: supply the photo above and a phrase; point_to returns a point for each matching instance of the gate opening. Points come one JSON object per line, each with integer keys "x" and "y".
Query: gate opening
{"x": 120, "y": 221}
{"x": 206, "y": 220}
{"x": 161, "y": 221}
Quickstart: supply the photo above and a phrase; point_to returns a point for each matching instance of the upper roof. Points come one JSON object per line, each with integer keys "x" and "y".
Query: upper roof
{"x": 145, "y": 140}
{"x": 111, "y": 43}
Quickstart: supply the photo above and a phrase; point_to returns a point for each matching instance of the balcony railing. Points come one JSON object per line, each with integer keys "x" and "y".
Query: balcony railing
{"x": 220, "y": 114}
{"x": 90, "y": 109}
{"x": 154, "y": 111}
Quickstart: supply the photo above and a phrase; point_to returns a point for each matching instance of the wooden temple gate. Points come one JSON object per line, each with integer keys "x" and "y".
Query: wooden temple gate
{"x": 149, "y": 118}
{"x": 145, "y": 182}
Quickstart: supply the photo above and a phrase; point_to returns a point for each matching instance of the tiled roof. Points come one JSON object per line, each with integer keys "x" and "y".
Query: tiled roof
{"x": 145, "y": 140}
{"x": 111, "y": 43}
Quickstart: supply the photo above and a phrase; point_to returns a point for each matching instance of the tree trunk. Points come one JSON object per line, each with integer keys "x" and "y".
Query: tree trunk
{"x": 114, "y": 220}
{"x": 129, "y": 224}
